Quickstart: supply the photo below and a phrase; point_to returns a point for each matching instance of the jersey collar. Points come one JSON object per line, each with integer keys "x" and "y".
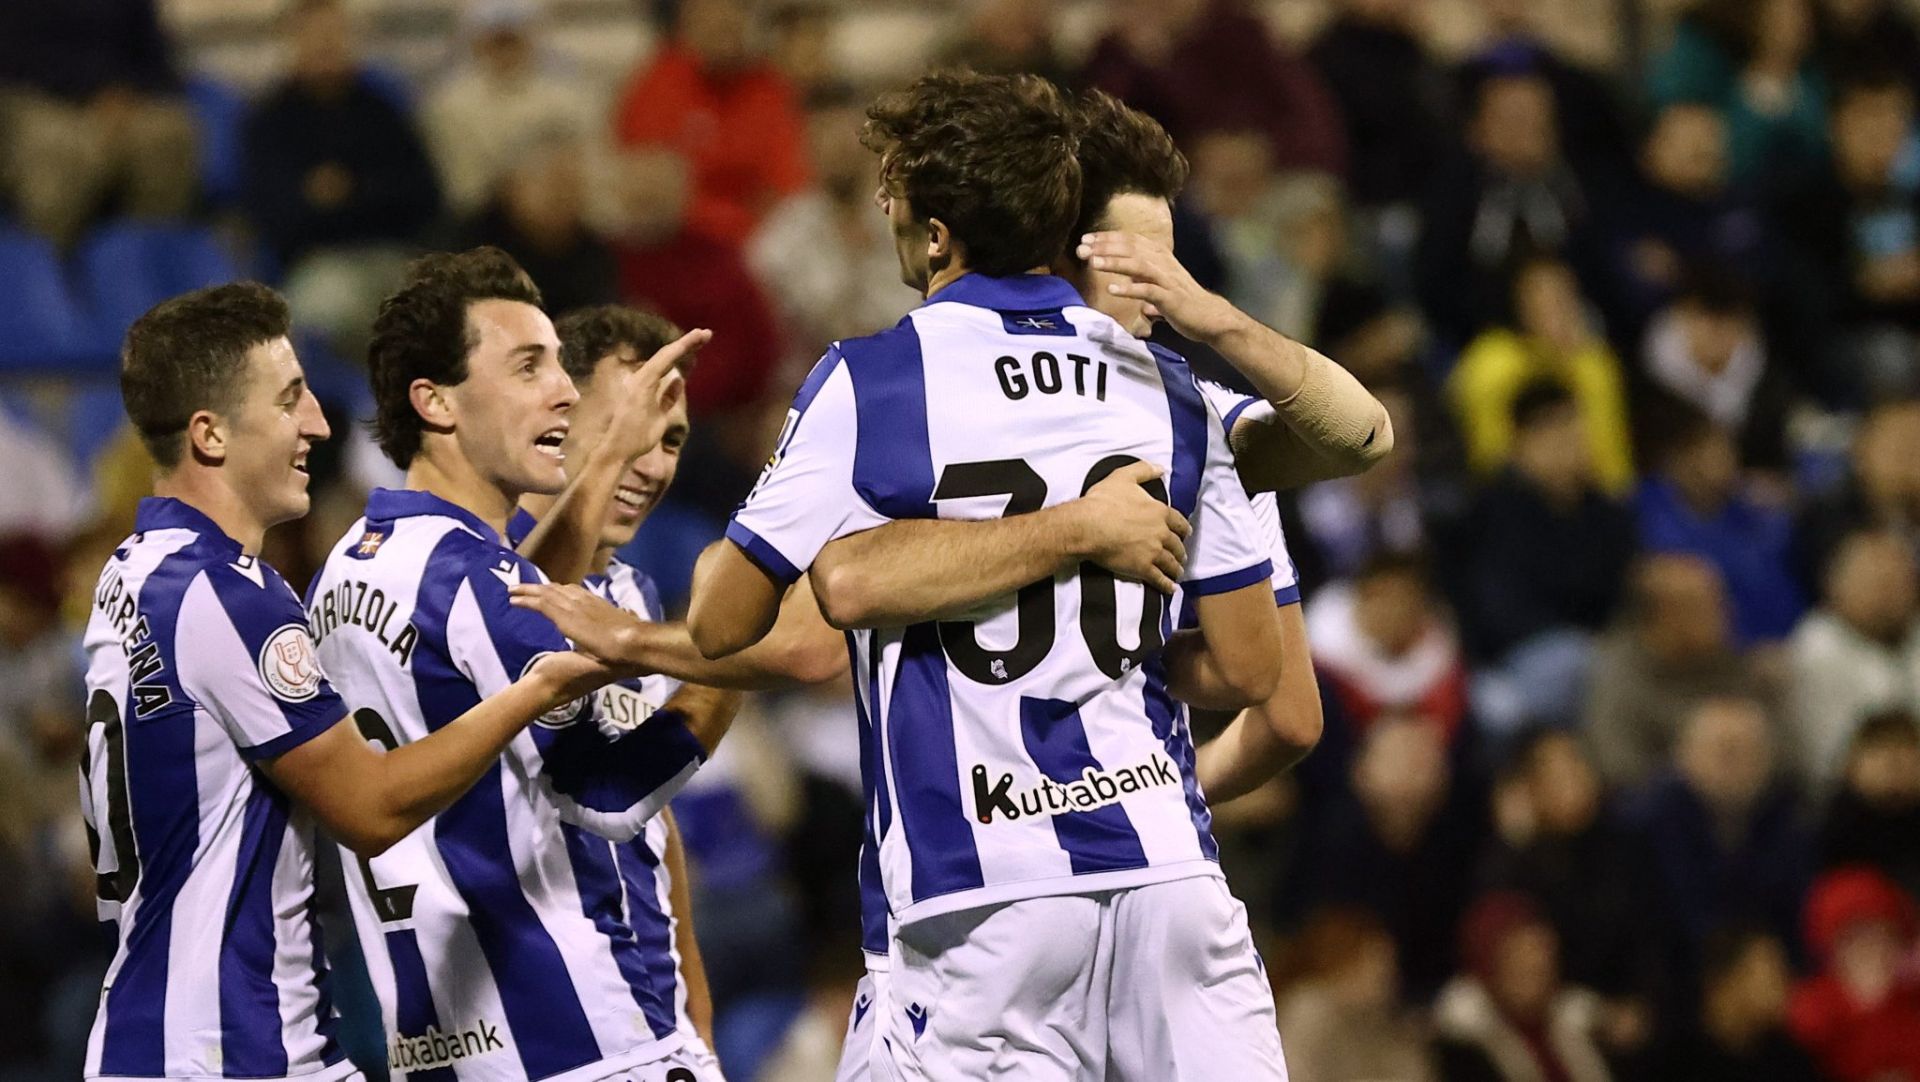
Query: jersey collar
{"x": 1013, "y": 293}
{"x": 388, "y": 504}
{"x": 167, "y": 513}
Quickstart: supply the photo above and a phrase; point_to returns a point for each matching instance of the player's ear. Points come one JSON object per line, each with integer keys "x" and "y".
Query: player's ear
{"x": 430, "y": 401}
{"x": 207, "y": 436}
{"x": 939, "y": 242}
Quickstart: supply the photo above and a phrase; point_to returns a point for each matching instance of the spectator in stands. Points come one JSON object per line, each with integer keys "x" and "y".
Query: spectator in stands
{"x": 1547, "y": 547}
{"x": 91, "y": 114}
{"x": 1548, "y": 336}
{"x": 500, "y": 104}
{"x": 1010, "y": 36}
{"x": 1383, "y": 644}
{"x": 1670, "y": 650}
{"x": 1860, "y": 1015}
{"x": 1875, "y": 817}
{"x": 1853, "y": 237}
{"x": 1343, "y": 1016}
{"x": 1558, "y": 843}
{"x": 728, "y": 112}
{"x": 802, "y": 46}
{"x": 44, "y": 493}
{"x": 1868, "y": 35}
{"x": 1506, "y": 196}
{"x": 1696, "y": 502}
{"x": 1726, "y": 836}
{"x": 823, "y": 256}
{"x": 1351, "y": 520}
{"x": 1856, "y": 655}
{"x": 537, "y": 214}
{"x": 1707, "y": 348}
{"x": 1681, "y": 210}
{"x": 1508, "y": 1017}
{"x": 1881, "y": 491}
{"x": 695, "y": 280}
{"x": 1593, "y": 126}
{"x": 1213, "y": 65}
{"x": 1755, "y": 63}
{"x": 339, "y": 185}
{"x": 37, "y": 654}
{"x": 1395, "y": 844}
{"x": 1374, "y": 60}
{"x": 1739, "y": 1032}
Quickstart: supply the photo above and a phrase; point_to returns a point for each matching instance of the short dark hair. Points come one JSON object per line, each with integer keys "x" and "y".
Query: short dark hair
{"x": 1866, "y": 82}
{"x": 1886, "y": 727}
{"x": 1538, "y": 400}
{"x": 1122, "y": 151}
{"x": 1716, "y": 289}
{"x": 188, "y": 354}
{"x": 422, "y": 333}
{"x": 991, "y": 156}
{"x": 1727, "y": 948}
{"x": 587, "y": 335}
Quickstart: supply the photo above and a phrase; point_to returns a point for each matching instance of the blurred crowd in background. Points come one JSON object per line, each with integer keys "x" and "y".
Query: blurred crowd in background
{"x": 1620, "y": 651}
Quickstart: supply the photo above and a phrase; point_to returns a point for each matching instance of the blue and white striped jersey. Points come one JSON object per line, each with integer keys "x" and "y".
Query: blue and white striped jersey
{"x": 633, "y": 876}
{"x": 1229, "y": 405}
{"x": 490, "y": 933}
{"x": 199, "y": 665}
{"x": 1032, "y": 749}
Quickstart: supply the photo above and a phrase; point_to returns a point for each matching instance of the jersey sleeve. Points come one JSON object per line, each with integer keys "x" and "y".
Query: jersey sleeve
{"x": 1228, "y": 548}
{"x": 600, "y": 781}
{"x": 247, "y": 658}
{"x": 805, "y": 497}
{"x": 1286, "y": 578}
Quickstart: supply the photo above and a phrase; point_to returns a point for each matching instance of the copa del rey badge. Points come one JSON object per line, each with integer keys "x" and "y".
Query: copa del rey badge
{"x": 288, "y": 665}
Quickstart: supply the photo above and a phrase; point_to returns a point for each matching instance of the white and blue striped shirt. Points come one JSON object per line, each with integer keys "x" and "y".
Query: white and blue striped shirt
{"x": 1033, "y": 749}
{"x": 199, "y": 665}
{"x": 495, "y": 937}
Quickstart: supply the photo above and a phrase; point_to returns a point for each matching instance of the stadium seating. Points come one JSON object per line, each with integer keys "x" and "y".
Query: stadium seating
{"x": 125, "y": 268}
{"x": 40, "y": 328}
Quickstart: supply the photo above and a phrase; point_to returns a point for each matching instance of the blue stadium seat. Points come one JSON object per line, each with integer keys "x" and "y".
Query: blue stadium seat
{"x": 221, "y": 113}
{"x": 40, "y": 327}
{"x": 125, "y": 268}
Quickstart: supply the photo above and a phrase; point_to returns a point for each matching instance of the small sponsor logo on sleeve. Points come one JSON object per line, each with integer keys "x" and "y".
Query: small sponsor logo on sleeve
{"x": 560, "y": 716}
{"x": 288, "y": 665}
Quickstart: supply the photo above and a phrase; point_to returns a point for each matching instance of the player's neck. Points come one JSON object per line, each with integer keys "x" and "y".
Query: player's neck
{"x": 956, "y": 270}
{"x": 539, "y": 505}
{"x": 453, "y": 479}
{"x": 204, "y": 492}
{"x": 602, "y": 557}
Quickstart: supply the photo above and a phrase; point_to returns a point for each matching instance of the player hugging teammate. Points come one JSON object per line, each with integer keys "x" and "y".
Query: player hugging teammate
{"x": 1027, "y": 520}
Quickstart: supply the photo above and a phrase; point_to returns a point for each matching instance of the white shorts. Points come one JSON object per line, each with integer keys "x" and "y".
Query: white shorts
{"x": 693, "y": 1061}
{"x": 1159, "y": 983}
{"x": 856, "y": 1055}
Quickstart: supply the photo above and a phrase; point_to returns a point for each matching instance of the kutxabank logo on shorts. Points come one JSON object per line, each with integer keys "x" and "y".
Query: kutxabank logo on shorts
{"x": 1096, "y": 787}
{"x": 288, "y": 665}
{"x": 436, "y": 1049}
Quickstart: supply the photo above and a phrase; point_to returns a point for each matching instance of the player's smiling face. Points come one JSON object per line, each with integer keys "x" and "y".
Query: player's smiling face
{"x": 1129, "y": 212}
{"x": 511, "y": 413}
{"x": 269, "y": 433}
{"x": 647, "y": 479}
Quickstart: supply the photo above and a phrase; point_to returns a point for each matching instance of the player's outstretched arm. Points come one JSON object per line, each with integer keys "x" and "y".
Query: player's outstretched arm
{"x": 935, "y": 569}
{"x": 1233, "y": 660}
{"x": 368, "y": 799}
{"x": 735, "y": 601}
{"x": 1328, "y": 424}
{"x": 800, "y": 648}
{"x": 693, "y": 968}
{"x": 1273, "y": 736}
{"x": 562, "y": 545}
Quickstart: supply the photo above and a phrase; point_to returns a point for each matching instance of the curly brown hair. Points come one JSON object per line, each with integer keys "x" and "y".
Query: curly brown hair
{"x": 422, "y": 333}
{"x": 1122, "y": 151}
{"x": 189, "y": 353}
{"x": 991, "y": 156}
{"x": 588, "y": 335}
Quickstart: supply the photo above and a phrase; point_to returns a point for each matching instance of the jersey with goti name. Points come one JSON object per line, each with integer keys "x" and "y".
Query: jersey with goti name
{"x": 1027, "y": 749}
{"x": 488, "y": 934}
{"x": 199, "y": 668}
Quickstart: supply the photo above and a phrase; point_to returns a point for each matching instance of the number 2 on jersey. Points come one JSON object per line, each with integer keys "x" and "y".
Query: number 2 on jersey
{"x": 389, "y": 903}
{"x": 1026, "y": 491}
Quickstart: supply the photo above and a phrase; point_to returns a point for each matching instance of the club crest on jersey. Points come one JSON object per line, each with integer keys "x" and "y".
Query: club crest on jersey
{"x": 1095, "y": 788}
{"x": 288, "y": 665}
{"x": 560, "y": 716}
